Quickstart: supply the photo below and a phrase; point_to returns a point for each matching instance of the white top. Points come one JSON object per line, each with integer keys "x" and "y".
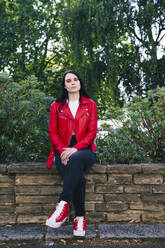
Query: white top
{"x": 73, "y": 105}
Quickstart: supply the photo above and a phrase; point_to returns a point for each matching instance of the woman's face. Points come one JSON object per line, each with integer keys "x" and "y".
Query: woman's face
{"x": 72, "y": 83}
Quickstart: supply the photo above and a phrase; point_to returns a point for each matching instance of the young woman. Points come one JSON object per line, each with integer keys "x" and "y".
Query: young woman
{"x": 72, "y": 130}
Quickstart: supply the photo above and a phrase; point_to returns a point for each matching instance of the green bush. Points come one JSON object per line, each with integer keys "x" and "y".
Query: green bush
{"x": 141, "y": 137}
{"x": 24, "y": 115}
{"x": 116, "y": 147}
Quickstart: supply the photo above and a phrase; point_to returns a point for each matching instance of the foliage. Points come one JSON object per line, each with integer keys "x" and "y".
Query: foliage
{"x": 117, "y": 148}
{"x": 107, "y": 107}
{"x": 27, "y": 29}
{"x": 85, "y": 31}
{"x": 24, "y": 115}
{"x": 3, "y": 79}
{"x": 117, "y": 42}
{"x": 141, "y": 138}
{"x": 112, "y": 43}
{"x": 146, "y": 25}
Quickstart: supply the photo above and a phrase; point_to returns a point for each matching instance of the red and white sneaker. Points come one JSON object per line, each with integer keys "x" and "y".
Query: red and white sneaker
{"x": 79, "y": 226}
{"x": 59, "y": 216}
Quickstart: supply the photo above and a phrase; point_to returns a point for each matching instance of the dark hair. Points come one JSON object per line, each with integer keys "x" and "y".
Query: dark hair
{"x": 64, "y": 93}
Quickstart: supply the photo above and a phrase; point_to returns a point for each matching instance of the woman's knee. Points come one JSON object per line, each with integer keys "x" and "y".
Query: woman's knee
{"x": 87, "y": 154}
{"x": 75, "y": 157}
{"x": 75, "y": 162}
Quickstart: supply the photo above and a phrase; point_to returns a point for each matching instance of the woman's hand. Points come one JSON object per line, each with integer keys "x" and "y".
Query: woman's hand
{"x": 65, "y": 155}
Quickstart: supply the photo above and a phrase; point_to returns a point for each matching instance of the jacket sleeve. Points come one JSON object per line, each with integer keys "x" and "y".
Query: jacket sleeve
{"x": 53, "y": 129}
{"x": 91, "y": 131}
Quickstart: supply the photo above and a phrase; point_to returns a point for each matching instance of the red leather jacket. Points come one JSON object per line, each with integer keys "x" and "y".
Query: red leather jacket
{"x": 62, "y": 123}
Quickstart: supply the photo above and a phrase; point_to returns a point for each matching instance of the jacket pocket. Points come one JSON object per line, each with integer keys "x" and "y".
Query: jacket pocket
{"x": 62, "y": 117}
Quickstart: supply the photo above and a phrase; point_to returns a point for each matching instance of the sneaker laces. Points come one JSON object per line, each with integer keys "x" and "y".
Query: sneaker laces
{"x": 80, "y": 223}
{"x": 61, "y": 211}
{"x": 53, "y": 211}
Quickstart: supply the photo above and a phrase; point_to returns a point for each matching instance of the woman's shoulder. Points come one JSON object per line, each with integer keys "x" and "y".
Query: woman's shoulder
{"x": 86, "y": 100}
{"x": 55, "y": 104}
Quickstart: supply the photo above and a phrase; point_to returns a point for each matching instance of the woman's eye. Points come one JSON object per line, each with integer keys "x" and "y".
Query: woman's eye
{"x": 75, "y": 79}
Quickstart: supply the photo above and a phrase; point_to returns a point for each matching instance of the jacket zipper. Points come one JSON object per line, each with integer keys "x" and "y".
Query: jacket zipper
{"x": 70, "y": 119}
{"x": 87, "y": 114}
{"x": 66, "y": 116}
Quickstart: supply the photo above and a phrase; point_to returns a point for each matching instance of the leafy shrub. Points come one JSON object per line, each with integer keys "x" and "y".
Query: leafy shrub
{"x": 24, "y": 115}
{"x": 142, "y": 135}
{"x": 118, "y": 148}
{"x": 3, "y": 78}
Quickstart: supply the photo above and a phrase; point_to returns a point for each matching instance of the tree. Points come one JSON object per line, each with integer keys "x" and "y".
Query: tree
{"x": 111, "y": 42}
{"x": 34, "y": 25}
{"x": 24, "y": 116}
{"x": 146, "y": 28}
{"x": 78, "y": 35}
{"x": 108, "y": 39}
{"x": 8, "y": 35}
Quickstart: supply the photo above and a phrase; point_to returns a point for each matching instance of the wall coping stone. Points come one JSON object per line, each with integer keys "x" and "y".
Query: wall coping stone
{"x": 40, "y": 167}
{"x": 30, "y": 167}
{"x": 3, "y": 168}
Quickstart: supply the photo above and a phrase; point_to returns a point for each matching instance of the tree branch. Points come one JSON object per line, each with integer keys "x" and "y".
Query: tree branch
{"x": 48, "y": 62}
{"x": 161, "y": 39}
{"x": 157, "y": 39}
{"x": 133, "y": 31}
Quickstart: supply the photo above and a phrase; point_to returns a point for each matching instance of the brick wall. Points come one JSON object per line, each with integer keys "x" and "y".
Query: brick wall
{"x": 115, "y": 193}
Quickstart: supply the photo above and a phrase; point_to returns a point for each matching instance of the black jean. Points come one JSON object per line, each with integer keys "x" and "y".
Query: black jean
{"x": 74, "y": 180}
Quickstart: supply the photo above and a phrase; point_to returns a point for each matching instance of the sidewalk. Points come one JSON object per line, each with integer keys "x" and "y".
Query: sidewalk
{"x": 42, "y": 235}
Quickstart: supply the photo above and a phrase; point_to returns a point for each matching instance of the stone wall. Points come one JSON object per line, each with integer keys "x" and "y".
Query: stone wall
{"x": 115, "y": 193}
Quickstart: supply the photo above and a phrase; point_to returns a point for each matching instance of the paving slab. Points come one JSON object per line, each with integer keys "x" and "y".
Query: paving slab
{"x": 21, "y": 233}
{"x": 66, "y": 232}
{"x": 136, "y": 231}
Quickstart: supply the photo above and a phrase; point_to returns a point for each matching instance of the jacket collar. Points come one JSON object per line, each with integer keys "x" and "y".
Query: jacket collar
{"x": 66, "y": 110}
{"x": 84, "y": 100}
